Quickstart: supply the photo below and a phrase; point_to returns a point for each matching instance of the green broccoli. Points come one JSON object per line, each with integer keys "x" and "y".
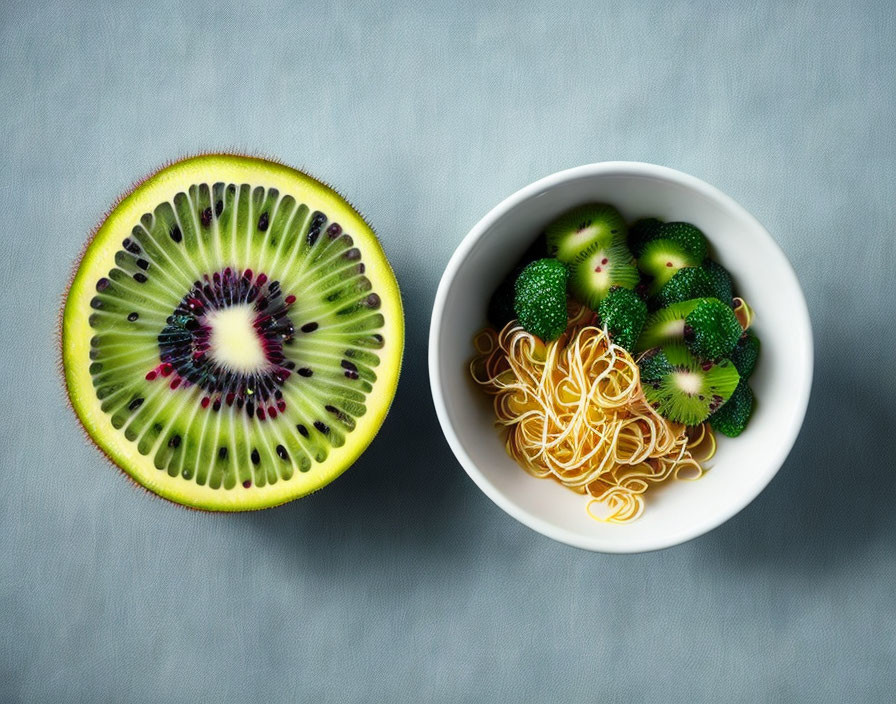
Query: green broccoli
{"x": 690, "y": 282}
{"x": 623, "y": 313}
{"x": 721, "y": 281}
{"x": 711, "y": 330}
{"x": 732, "y": 417}
{"x": 540, "y": 300}
{"x": 745, "y": 354}
{"x": 690, "y": 238}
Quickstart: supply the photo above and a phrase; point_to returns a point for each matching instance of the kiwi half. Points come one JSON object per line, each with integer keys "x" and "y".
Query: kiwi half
{"x": 599, "y": 268}
{"x": 683, "y": 388}
{"x": 582, "y": 229}
{"x": 661, "y": 259}
{"x": 232, "y": 336}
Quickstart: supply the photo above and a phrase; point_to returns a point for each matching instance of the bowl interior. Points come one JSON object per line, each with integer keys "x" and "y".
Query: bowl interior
{"x": 678, "y": 510}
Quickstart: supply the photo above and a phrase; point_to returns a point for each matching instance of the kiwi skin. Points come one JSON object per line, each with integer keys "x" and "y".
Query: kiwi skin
{"x": 76, "y": 264}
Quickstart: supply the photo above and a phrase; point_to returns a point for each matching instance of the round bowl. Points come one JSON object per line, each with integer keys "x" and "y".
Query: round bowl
{"x": 675, "y": 511}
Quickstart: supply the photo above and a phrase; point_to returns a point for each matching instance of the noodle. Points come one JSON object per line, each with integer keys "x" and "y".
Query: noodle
{"x": 573, "y": 410}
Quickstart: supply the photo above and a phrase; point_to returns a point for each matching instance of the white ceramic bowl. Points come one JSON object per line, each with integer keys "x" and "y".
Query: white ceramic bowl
{"x": 676, "y": 511}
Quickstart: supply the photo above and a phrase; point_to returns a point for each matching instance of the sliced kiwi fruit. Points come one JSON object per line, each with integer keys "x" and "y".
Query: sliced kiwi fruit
{"x": 571, "y": 236}
{"x": 682, "y": 387}
{"x": 661, "y": 259}
{"x": 232, "y": 336}
{"x": 599, "y": 268}
{"x": 666, "y": 325}
{"x": 707, "y": 326}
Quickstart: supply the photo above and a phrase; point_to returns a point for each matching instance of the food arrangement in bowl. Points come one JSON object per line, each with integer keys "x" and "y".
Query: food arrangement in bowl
{"x": 649, "y": 391}
{"x": 614, "y": 355}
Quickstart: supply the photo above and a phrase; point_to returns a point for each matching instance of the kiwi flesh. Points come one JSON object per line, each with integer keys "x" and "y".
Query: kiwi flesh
{"x": 666, "y": 325}
{"x": 661, "y": 259}
{"x": 578, "y": 231}
{"x": 682, "y": 387}
{"x": 232, "y": 336}
{"x": 599, "y": 268}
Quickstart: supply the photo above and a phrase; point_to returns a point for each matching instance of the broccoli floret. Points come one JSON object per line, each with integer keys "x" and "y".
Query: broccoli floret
{"x": 654, "y": 365}
{"x": 540, "y": 300}
{"x": 690, "y": 282}
{"x": 745, "y": 354}
{"x": 623, "y": 313}
{"x": 690, "y": 238}
{"x": 723, "y": 288}
{"x": 711, "y": 330}
{"x": 732, "y": 417}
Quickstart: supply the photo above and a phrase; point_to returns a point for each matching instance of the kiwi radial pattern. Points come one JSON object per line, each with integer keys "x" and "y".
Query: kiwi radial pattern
{"x": 233, "y": 334}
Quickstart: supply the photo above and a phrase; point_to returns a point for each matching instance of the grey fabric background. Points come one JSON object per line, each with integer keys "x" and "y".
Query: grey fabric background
{"x": 401, "y": 581}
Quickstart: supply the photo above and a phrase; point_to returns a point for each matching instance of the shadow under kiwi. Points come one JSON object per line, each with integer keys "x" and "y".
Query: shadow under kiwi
{"x": 401, "y": 505}
{"x": 834, "y": 496}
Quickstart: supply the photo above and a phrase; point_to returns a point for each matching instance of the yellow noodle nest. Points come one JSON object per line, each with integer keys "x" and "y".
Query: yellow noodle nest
{"x": 573, "y": 410}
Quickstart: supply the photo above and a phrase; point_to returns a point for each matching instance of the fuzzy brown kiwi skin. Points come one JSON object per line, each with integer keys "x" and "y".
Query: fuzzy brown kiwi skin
{"x": 60, "y": 328}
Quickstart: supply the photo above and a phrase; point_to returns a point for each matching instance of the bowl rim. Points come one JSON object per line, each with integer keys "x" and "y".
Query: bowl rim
{"x": 459, "y": 257}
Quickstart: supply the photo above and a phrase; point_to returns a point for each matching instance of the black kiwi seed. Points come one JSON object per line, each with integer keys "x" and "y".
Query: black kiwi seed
{"x": 322, "y": 427}
{"x": 102, "y": 284}
{"x": 206, "y": 217}
{"x": 140, "y": 278}
{"x": 305, "y": 371}
{"x": 263, "y": 222}
{"x": 309, "y": 327}
{"x": 247, "y": 483}
{"x": 350, "y": 366}
{"x": 255, "y": 457}
{"x": 143, "y": 264}
{"x": 303, "y": 431}
{"x": 96, "y": 303}
{"x": 282, "y": 453}
{"x": 130, "y": 245}
{"x": 174, "y": 441}
{"x": 219, "y": 207}
{"x": 352, "y": 254}
{"x": 135, "y": 404}
{"x": 334, "y": 230}
{"x": 372, "y": 301}
{"x": 222, "y": 453}
{"x": 133, "y": 316}
{"x": 175, "y": 234}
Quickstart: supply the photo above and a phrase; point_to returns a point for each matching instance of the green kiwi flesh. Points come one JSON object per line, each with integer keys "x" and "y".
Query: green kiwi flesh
{"x": 599, "y": 268}
{"x": 683, "y": 388}
{"x": 578, "y": 231}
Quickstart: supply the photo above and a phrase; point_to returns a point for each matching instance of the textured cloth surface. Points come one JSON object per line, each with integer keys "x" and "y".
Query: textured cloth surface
{"x": 402, "y": 581}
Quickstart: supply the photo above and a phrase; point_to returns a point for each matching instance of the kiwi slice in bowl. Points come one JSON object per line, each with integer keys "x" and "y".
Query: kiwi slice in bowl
{"x": 682, "y": 387}
{"x": 580, "y": 230}
{"x": 232, "y": 336}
